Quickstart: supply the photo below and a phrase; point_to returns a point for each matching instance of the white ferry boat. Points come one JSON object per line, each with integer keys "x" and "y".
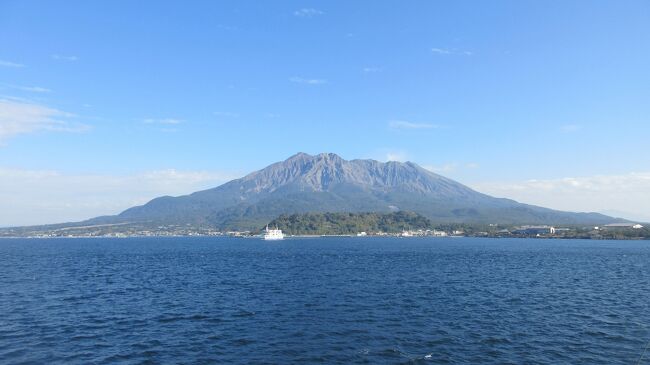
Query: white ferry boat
{"x": 273, "y": 234}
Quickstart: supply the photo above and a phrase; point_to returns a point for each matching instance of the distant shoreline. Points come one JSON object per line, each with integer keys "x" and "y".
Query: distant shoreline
{"x": 324, "y": 236}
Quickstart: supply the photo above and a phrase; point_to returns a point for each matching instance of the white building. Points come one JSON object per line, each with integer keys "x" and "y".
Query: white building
{"x": 535, "y": 230}
{"x": 623, "y": 225}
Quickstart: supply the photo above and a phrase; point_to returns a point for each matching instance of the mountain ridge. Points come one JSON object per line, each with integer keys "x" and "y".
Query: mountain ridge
{"x": 328, "y": 183}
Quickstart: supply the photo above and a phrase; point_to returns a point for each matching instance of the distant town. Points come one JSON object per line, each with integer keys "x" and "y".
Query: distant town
{"x": 608, "y": 231}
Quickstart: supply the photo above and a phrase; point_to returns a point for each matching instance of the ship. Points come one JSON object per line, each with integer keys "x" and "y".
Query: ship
{"x": 273, "y": 234}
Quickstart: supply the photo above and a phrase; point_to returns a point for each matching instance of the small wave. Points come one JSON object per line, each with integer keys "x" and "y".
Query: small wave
{"x": 243, "y": 313}
{"x": 194, "y": 317}
{"x": 242, "y": 341}
{"x": 496, "y": 341}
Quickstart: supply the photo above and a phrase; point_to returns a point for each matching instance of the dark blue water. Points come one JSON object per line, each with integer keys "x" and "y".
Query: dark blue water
{"x": 334, "y": 300}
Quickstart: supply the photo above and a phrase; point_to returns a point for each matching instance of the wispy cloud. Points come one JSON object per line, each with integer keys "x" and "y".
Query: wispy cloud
{"x": 451, "y": 51}
{"x": 59, "y": 57}
{"x": 301, "y": 80}
{"x": 4, "y": 63}
{"x": 43, "y": 196}
{"x": 451, "y": 167}
{"x": 446, "y": 168}
{"x": 165, "y": 121}
{"x": 19, "y": 117}
{"x": 402, "y": 124}
{"x": 227, "y": 114}
{"x": 227, "y": 27}
{"x": 308, "y": 12}
{"x": 627, "y": 193}
{"x": 371, "y": 69}
{"x": 440, "y": 51}
{"x": 34, "y": 89}
{"x": 399, "y": 156}
{"x": 569, "y": 128}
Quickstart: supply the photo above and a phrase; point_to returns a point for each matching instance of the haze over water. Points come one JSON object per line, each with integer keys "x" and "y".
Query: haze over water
{"x": 328, "y": 300}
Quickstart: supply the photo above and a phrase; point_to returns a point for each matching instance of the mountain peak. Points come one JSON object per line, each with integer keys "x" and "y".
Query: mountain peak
{"x": 329, "y": 171}
{"x": 333, "y": 157}
{"x": 328, "y": 156}
{"x": 302, "y": 156}
{"x": 299, "y": 156}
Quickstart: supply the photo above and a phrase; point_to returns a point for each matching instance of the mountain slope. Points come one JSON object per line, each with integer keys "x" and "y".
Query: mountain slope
{"x": 328, "y": 183}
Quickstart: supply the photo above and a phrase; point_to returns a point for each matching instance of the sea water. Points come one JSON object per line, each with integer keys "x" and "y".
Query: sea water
{"x": 324, "y": 300}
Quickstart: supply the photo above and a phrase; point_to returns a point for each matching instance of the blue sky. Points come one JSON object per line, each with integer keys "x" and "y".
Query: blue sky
{"x": 503, "y": 96}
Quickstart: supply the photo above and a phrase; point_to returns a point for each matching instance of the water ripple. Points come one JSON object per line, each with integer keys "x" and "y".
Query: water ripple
{"x": 333, "y": 301}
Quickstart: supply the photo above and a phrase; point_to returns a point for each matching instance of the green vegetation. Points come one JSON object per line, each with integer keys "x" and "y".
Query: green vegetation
{"x": 349, "y": 223}
{"x": 623, "y": 234}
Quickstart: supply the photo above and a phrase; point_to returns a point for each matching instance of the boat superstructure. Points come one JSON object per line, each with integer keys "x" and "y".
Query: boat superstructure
{"x": 273, "y": 234}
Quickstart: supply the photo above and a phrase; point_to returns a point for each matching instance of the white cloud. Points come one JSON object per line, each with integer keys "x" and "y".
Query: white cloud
{"x": 65, "y": 58}
{"x": 11, "y": 64}
{"x": 20, "y": 117}
{"x": 307, "y": 12}
{"x": 402, "y": 124}
{"x": 30, "y": 197}
{"x": 164, "y": 121}
{"x": 628, "y": 193}
{"x": 301, "y": 80}
{"x": 440, "y": 51}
